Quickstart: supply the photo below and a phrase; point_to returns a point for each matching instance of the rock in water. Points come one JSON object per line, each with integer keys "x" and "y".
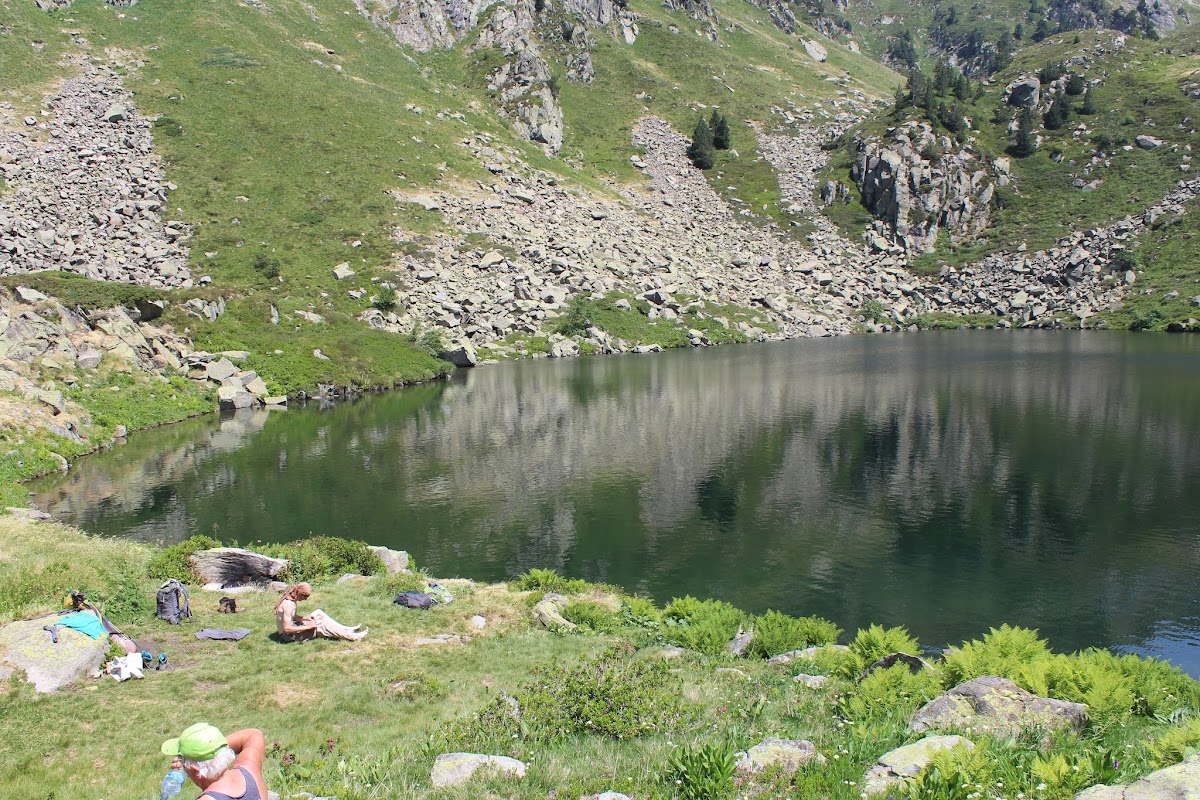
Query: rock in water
{"x": 905, "y": 762}
{"x": 452, "y": 769}
{"x": 1179, "y": 782}
{"x": 998, "y": 706}
{"x": 48, "y": 666}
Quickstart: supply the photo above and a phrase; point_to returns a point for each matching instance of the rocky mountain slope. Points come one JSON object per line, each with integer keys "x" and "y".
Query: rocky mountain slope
{"x": 337, "y": 195}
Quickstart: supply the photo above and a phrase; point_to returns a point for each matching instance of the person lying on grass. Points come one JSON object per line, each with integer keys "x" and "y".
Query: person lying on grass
{"x": 294, "y": 628}
{"x": 224, "y": 768}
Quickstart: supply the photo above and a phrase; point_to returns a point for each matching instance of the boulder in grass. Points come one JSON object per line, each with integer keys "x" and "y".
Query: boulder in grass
{"x": 996, "y": 706}
{"x": 548, "y": 612}
{"x": 49, "y": 666}
{"x": 233, "y": 566}
{"x": 1178, "y": 782}
{"x": 908, "y": 761}
{"x": 784, "y": 754}
{"x": 454, "y": 769}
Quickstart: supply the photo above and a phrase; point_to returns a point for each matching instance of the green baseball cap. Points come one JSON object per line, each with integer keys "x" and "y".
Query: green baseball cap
{"x": 199, "y": 742}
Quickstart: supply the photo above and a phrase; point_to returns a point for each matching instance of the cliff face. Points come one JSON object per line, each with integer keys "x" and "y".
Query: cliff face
{"x": 918, "y": 185}
{"x": 519, "y": 29}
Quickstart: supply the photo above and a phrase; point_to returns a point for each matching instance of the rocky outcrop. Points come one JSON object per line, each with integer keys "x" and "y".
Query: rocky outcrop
{"x": 919, "y": 184}
{"x": 784, "y": 755}
{"x": 86, "y": 191}
{"x": 233, "y": 566}
{"x": 453, "y": 769}
{"x": 996, "y": 706}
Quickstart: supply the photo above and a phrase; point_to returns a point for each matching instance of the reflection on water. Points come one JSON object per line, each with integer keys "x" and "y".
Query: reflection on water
{"x": 948, "y": 482}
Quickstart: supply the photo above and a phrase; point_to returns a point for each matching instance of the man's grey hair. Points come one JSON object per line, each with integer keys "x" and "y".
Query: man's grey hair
{"x": 214, "y": 767}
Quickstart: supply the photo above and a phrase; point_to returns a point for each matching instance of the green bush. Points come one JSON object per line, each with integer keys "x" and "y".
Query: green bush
{"x": 893, "y": 692}
{"x": 1004, "y": 651}
{"x": 611, "y": 694}
{"x": 175, "y": 561}
{"x": 702, "y": 772}
{"x": 641, "y": 612}
{"x": 385, "y": 301}
{"x": 547, "y": 580}
{"x": 873, "y": 643}
{"x": 321, "y": 558}
{"x": 702, "y": 625}
{"x": 776, "y": 632}
{"x": 592, "y": 616}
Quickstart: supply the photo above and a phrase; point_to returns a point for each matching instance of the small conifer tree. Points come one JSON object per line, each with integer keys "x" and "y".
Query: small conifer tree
{"x": 701, "y": 152}
{"x": 1026, "y": 141}
{"x": 1089, "y": 102}
{"x": 1058, "y": 115}
{"x": 719, "y": 126}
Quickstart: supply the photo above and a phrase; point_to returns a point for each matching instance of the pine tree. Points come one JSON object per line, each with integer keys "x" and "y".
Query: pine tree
{"x": 1089, "y": 103}
{"x": 719, "y": 126}
{"x": 899, "y": 101}
{"x": 1043, "y": 30}
{"x": 701, "y": 151}
{"x": 1058, "y": 115}
{"x": 1076, "y": 84}
{"x": 1026, "y": 141}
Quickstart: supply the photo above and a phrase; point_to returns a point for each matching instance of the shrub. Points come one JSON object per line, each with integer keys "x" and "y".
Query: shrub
{"x": 873, "y": 643}
{"x": 873, "y": 311}
{"x": 577, "y": 319}
{"x": 893, "y": 692}
{"x": 775, "y": 633}
{"x": 592, "y": 616}
{"x": 640, "y": 611}
{"x": 547, "y": 580}
{"x": 175, "y": 561}
{"x": 1004, "y": 651}
{"x": 266, "y": 266}
{"x": 611, "y": 694}
{"x": 385, "y": 301}
{"x": 701, "y": 150}
{"x": 702, "y": 625}
{"x": 701, "y": 772}
{"x": 1175, "y": 744}
{"x": 830, "y": 661}
{"x": 124, "y": 600}
{"x": 324, "y": 557}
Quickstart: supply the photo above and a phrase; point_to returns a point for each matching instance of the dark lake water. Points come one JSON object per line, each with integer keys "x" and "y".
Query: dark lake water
{"x": 945, "y": 481}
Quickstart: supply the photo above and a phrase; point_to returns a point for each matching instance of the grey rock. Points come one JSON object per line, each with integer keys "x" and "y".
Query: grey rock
{"x": 233, "y": 566}
{"x": 396, "y": 561}
{"x": 461, "y": 354}
{"x": 548, "y": 612}
{"x": 997, "y": 706}
{"x": 1147, "y": 142}
{"x": 218, "y": 371}
{"x": 453, "y": 769}
{"x": 906, "y": 762}
{"x": 811, "y": 681}
{"x": 1178, "y": 782}
{"x": 27, "y": 295}
{"x": 342, "y": 271}
{"x": 48, "y": 666}
{"x": 807, "y": 653}
{"x": 787, "y": 755}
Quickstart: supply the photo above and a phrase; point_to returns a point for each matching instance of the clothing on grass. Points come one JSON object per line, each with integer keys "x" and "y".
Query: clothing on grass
{"x": 220, "y": 633}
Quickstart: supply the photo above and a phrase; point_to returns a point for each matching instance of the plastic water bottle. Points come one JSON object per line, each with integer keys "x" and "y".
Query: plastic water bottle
{"x": 172, "y": 784}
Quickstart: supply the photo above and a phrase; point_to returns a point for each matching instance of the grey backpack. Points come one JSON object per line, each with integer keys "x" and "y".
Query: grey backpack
{"x": 173, "y": 602}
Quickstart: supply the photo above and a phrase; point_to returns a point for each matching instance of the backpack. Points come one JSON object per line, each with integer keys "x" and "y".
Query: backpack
{"x": 173, "y": 602}
{"x": 414, "y": 600}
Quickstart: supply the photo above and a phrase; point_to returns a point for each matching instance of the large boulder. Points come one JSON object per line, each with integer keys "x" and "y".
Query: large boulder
{"x": 548, "y": 612}
{"x": 997, "y": 706}
{"x": 48, "y": 666}
{"x": 784, "y": 754}
{"x": 905, "y": 762}
{"x": 395, "y": 560}
{"x": 1024, "y": 92}
{"x": 233, "y": 566}
{"x": 1180, "y": 782}
{"x": 452, "y": 769}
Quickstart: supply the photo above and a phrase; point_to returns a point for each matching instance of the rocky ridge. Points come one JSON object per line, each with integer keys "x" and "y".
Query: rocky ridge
{"x": 86, "y": 192}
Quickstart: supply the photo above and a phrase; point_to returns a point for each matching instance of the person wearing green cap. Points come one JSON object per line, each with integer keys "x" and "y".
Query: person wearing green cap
{"x": 224, "y": 767}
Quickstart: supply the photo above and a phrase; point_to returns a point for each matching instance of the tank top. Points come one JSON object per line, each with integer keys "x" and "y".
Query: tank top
{"x": 251, "y": 792}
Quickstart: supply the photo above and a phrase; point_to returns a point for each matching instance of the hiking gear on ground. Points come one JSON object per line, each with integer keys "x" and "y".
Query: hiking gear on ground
{"x": 53, "y": 632}
{"x": 228, "y": 605}
{"x": 162, "y": 661}
{"x": 85, "y": 622}
{"x": 220, "y": 633}
{"x": 147, "y": 659}
{"x": 199, "y": 742}
{"x": 441, "y": 595}
{"x": 412, "y": 599}
{"x": 173, "y": 602}
{"x": 126, "y": 667}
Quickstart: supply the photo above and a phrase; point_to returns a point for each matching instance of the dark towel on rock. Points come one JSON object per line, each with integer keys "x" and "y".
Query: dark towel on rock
{"x": 219, "y": 633}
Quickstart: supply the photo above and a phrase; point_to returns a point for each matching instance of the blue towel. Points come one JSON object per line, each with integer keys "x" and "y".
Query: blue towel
{"x": 83, "y": 621}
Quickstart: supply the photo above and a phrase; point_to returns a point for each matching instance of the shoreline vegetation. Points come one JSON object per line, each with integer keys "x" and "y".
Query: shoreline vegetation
{"x": 629, "y": 695}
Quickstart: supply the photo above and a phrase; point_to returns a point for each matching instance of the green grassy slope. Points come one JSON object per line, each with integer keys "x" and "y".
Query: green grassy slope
{"x": 1139, "y": 93}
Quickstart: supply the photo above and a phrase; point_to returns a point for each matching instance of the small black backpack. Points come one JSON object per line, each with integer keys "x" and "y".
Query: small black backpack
{"x": 173, "y": 602}
{"x": 414, "y": 600}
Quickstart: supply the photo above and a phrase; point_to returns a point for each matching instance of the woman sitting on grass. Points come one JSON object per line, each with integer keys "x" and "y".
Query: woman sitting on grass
{"x": 294, "y": 628}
